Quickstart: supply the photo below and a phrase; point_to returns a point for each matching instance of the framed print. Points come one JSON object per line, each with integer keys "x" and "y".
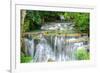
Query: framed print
{"x": 46, "y": 37}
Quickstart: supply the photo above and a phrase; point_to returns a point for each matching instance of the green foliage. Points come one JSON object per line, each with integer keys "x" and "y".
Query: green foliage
{"x": 34, "y": 16}
{"x": 82, "y": 54}
{"x": 25, "y": 26}
{"x": 25, "y": 59}
{"x": 35, "y": 19}
{"x": 80, "y": 20}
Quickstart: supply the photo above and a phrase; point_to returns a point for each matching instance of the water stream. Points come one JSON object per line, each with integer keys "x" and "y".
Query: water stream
{"x": 52, "y": 48}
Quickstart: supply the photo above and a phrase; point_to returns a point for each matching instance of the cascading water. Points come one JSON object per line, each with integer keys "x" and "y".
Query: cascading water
{"x": 52, "y": 48}
{"x": 59, "y": 48}
{"x": 29, "y": 46}
{"x": 43, "y": 51}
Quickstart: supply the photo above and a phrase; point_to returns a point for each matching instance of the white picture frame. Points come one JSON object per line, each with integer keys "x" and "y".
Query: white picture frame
{"x": 16, "y": 66}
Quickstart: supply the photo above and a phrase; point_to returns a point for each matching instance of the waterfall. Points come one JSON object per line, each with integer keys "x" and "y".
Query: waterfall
{"x": 43, "y": 51}
{"x": 56, "y": 47}
{"x": 59, "y": 48}
{"x": 29, "y": 47}
{"x": 52, "y": 48}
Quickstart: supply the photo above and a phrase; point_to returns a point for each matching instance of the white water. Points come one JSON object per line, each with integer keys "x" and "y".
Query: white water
{"x": 55, "y": 48}
{"x": 59, "y": 50}
{"x": 43, "y": 51}
{"x": 29, "y": 47}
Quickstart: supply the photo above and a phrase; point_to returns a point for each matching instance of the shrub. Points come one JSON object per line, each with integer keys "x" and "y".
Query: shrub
{"x": 82, "y": 54}
{"x": 25, "y": 59}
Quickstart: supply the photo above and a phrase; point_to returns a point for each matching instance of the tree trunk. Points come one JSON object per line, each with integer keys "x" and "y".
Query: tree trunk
{"x": 23, "y": 14}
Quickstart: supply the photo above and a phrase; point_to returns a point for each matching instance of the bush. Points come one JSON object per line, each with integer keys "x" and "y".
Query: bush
{"x": 25, "y": 59}
{"x": 82, "y": 54}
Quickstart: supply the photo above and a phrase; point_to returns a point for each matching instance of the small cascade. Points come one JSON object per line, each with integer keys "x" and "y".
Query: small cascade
{"x": 29, "y": 47}
{"x": 59, "y": 46}
{"x": 43, "y": 50}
